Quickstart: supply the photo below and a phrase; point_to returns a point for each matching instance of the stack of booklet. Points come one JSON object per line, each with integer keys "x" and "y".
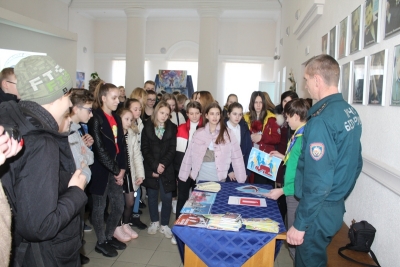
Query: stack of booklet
{"x": 227, "y": 222}
{"x": 261, "y": 224}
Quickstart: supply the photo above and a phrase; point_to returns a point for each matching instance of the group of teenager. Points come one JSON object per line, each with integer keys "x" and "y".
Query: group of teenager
{"x": 120, "y": 149}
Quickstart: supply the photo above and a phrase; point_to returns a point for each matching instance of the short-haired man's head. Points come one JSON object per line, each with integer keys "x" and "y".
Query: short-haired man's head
{"x": 297, "y": 106}
{"x": 193, "y": 104}
{"x": 80, "y": 97}
{"x": 326, "y": 67}
{"x": 6, "y": 73}
{"x": 101, "y": 90}
{"x": 149, "y": 85}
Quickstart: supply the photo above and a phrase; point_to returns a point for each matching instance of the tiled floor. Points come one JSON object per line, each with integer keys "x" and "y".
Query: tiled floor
{"x": 150, "y": 251}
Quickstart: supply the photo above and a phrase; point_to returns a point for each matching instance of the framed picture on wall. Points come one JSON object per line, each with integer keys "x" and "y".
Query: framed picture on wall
{"x": 377, "y": 78}
{"x": 80, "y": 79}
{"x": 324, "y": 44}
{"x": 345, "y": 81}
{"x": 343, "y": 38}
{"x": 395, "y": 96}
{"x": 359, "y": 74}
{"x": 371, "y": 19}
{"x": 355, "y": 30}
{"x": 332, "y": 42}
{"x": 392, "y": 18}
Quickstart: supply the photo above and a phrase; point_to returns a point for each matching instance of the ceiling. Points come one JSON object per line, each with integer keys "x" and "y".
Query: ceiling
{"x": 108, "y": 9}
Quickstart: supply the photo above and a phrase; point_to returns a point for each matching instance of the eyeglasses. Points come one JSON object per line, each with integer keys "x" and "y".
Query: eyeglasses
{"x": 12, "y": 82}
{"x": 151, "y": 100}
{"x": 88, "y": 109}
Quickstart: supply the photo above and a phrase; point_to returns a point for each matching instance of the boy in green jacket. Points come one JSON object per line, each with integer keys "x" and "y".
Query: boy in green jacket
{"x": 296, "y": 115}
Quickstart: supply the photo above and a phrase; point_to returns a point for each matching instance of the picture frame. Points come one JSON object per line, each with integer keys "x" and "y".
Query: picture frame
{"x": 392, "y": 17}
{"x": 324, "y": 44}
{"x": 371, "y": 22}
{"x": 359, "y": 80}
{"x": 80, "y": 79}
{"x": 345, "y": 82}
{"x": 377, "y": 78}
{"x": 355, "y": 29}
{"x": 332, "y": 42}
{"x": 343, "y": 26}
{"x": 395, "y": 92}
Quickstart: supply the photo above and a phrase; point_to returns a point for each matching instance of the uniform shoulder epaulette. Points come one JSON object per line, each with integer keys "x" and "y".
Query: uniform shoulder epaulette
{"x": 316, "y": 113}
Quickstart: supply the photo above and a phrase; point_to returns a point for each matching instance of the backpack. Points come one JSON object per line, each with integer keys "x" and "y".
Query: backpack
{"x": 361, "y": 235}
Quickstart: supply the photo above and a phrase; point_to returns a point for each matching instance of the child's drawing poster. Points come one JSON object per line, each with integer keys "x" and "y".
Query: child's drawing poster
{"x": 263, "y": 164}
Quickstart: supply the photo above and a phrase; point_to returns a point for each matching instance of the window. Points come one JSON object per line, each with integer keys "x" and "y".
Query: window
{"x": 241, "y": 79}
{"x": 118, "y": 72}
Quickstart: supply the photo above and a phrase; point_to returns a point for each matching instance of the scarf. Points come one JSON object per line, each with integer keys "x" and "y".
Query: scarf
{"x": 299, "y": 132}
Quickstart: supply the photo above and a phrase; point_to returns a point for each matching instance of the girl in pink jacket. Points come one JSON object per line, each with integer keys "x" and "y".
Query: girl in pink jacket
{"x": 211, "y": 151}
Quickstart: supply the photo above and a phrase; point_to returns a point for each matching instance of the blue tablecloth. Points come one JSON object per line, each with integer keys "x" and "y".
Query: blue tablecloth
{"x": 226, "y": 248}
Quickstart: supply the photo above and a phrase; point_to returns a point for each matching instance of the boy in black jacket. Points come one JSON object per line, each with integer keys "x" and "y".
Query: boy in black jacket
{"x": 43, "y": 187}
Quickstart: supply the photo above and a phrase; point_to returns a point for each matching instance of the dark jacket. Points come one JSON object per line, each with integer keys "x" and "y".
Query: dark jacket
{"x": 156, "y": 151}
{"x": 245, "y": 144}
{"x": 7, "y": 97}
{"x": 46, "y": 211}
{"x": 106, "y": 159}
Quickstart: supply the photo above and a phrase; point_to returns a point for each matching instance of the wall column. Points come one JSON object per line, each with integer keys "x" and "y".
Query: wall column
{"x": 135, "y": 48}
{"x": 208, "y": 51}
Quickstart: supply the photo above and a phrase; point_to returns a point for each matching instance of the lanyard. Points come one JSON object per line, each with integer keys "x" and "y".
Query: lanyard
{"x": 299, "y": 132}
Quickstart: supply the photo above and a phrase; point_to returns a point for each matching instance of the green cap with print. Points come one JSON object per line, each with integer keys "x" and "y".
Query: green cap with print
{"x": 41, "y": 79}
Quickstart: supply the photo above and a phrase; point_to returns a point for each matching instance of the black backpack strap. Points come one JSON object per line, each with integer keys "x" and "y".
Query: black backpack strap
{"x": 350, "y": 259}
{"x": 21, "y": 252}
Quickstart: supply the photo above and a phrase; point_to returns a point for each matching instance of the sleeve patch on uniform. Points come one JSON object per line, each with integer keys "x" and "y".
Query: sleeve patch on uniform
{"x": 317, "y": 150}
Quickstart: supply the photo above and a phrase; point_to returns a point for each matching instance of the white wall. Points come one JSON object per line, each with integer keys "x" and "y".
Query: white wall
{"x": 84, "y": 27}
{"x": 370, "y": 200}
{"x": 39, "y": 16}
{"x": 240, "y": 40}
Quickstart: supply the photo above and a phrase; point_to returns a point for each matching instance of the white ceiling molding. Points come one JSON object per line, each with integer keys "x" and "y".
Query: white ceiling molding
{"x": 136, "y": 12}
{"x": 311, "y": 12}
{"x": 230, "y": 9}
{"x": 148, "y": 4}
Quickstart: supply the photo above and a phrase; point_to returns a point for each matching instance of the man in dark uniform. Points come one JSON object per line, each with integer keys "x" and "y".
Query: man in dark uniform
{"x": 328, "y": 166}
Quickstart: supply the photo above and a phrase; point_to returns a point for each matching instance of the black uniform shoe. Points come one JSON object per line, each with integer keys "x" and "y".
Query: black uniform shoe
{"x": 84, "y": 259}
{"x": 139, "y": 212}
{"x": 135, "y": 221}
{"x": 105, "y": 249}
{"x": 115, "y": 243}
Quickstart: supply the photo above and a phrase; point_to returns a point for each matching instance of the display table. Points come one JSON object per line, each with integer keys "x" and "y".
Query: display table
{"x": 204, "y": 247}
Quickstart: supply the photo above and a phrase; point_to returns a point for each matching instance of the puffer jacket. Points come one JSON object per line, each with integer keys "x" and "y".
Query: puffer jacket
{"x": 135, "y": 157}
{"x": 46, "y": 211}
{"x": 271, "y": 134}
{"x": 106, "y": 159}
{"x": 156, "y": 151}
{"x": 225, "y": 154}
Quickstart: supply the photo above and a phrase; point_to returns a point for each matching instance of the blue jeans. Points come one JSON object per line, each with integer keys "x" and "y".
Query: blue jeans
{"x": 166, "y": 199}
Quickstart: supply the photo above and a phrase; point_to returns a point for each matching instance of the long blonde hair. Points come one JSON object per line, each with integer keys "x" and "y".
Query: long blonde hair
{"x": 141, "y": 95}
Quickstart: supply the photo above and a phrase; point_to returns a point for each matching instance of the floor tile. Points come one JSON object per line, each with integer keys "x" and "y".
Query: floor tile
{"x": 166, "y": 245}
{"x": 127, "y": 264}
{"x": 136, "y": 255}
{"x": 100, "y": 262}
{"x": 146, "y": 242}
{"x": 166, "y": 259}
{"x": 88, "y": 247}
